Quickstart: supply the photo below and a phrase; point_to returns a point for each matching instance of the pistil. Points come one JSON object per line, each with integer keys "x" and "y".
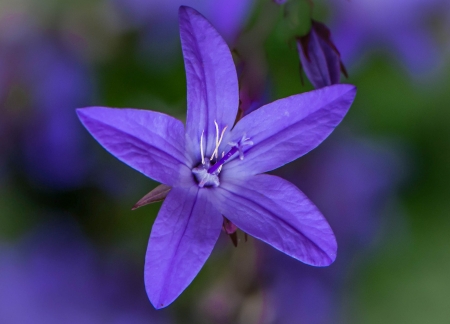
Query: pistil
{"x": 207, "y": 175}
{"x": 237, "y": 147}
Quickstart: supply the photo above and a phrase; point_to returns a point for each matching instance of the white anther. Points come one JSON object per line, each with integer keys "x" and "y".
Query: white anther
{"x": 220, "y": 168}
{"x": 217, "y": 133}
{"x": 201, "y": 148}
{"x": 218, "y": 141}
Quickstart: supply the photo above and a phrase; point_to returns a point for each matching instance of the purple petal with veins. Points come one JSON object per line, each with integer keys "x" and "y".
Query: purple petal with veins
{"x": 288, "y": 128}
{"x": 150, "y": 142}
{"x": 278, "y": 213}
{"x": 182, "y": 238}
{"x": 212, "y": 86}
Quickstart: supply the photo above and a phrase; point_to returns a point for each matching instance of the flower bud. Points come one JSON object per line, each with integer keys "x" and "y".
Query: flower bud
{"x": 319, "y": 57}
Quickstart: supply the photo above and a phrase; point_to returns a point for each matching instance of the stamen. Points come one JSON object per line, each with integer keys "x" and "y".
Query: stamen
{"x": 221, "y": 136}
{"x": 217, "y": 133}
{"x": 236, "y": 147}
{"x": 239, "y": 145}
{"x": 201, "y": 148}
{"x": 220, "y": 168}
{"x": 218, "y": 141}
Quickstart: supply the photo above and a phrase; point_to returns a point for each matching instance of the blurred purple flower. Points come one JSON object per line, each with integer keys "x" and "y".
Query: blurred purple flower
{"x": 399, "y": 26}
{"x": 228, "y": 16}
{"x": 42, "y": 84}
{"x": 206, "y": 181}
{"x": 54, "y": 276}
{"x": 320, "y": 59}
{"x": 351, "y": 181}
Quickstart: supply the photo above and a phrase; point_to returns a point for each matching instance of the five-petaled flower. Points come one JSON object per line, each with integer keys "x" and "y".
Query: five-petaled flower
{"x": 215, "y": 168}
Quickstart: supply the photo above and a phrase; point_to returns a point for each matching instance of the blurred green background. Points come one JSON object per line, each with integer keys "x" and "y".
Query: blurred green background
{"x": 400, "y": 275}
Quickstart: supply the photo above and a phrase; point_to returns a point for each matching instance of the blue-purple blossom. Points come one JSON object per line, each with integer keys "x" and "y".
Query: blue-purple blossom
{"x": 41, "y": 83}
{"x": 216, "y": 168}
{"x": 55, "y": 276}
{"x": 400, "y": 27}
{"x": 320, "y": 59}
{"x": 227, "y": 16}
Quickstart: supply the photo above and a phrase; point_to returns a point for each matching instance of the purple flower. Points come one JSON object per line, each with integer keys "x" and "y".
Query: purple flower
{"x": 399, "y": 27}
{"x": 227, "y": 15}
{"x": 54, "y": 144}
{"x": 216, "y": 169}
{"x": 41, "y": 83}
{"x": 319, "y": 56}
{"x": 56, "y": 276}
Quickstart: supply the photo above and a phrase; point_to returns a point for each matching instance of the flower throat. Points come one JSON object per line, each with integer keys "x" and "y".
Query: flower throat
{"x": 206, "y": 173}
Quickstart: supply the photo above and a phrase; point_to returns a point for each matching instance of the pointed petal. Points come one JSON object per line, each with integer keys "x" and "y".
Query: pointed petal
{"x": 158, "y": 194}
{"x": 278, "y": 213}
{"x": 182, "y": 238}
{"x": 212, "y": 86}
{"x": 148, "y": 141}
{"x": 288, "y": 128}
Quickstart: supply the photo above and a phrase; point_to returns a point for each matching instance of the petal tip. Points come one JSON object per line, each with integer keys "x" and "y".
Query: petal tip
{"x": 185, "y": 10}
{"x": 159, "y": 305}
{"x": 84, "y": 112}
{"x": 330, "y": 260}
{"x": 323, "y": 257}
{"x": 345, "y": 90}
{"x": 188, "y": 14}
{"x": 79, "y": 111}
{"x": 182, "y": 9}
{"x": 349, "y": 87}
{"x": 156, "y": 299}
{"x": 331, "y": 255}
